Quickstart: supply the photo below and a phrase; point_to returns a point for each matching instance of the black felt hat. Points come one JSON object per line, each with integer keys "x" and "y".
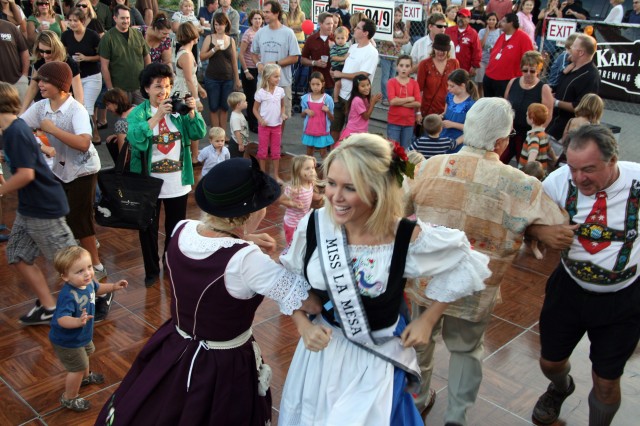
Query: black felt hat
{"x": 236, "y": 187}
{"x": 441, "y": 42}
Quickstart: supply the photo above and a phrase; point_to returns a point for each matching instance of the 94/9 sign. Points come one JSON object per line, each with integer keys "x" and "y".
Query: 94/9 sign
{"x": 379, "y": 11}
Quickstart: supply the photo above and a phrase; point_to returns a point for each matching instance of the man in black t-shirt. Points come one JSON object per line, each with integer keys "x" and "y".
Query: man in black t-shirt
{"x": 572, "y": 9}
{"x": 40, "y": 225}
{"x": 582, "y": 78}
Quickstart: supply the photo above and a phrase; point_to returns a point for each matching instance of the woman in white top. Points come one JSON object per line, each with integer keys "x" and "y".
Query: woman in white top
{"x": 616, "y": 14}
{"x": 525, "y": 17}
{"x": 186, "y": 68}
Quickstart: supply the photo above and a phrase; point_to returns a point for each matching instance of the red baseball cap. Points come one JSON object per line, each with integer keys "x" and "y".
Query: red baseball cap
{"x": 464, "y": 12}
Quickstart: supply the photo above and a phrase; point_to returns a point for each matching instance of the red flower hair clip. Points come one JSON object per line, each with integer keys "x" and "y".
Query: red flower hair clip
{"x": 400, "y": 164}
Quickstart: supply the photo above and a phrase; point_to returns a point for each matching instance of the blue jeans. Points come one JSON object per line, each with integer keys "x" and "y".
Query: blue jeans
{"x": 217, "y": 93}
{"x": 388, "y": 69}
{"x": 400, "y": 134}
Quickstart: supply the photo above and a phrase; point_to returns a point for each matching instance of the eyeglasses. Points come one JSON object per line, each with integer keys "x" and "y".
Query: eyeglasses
{"x": 529, "y": 71}
{"x": 441, "y": 26}
{"x": 84, "y": 6}
{"x": 43, "y": 52}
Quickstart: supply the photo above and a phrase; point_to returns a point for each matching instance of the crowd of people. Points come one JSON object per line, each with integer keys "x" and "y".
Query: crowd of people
{"x": 464, "y": 97}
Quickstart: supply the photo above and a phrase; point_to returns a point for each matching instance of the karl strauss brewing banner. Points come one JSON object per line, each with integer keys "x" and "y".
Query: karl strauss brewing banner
{"x": 618, "y": 60}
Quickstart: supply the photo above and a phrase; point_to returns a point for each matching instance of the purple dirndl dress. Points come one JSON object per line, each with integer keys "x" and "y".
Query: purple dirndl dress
{"x": 222, "y": 383}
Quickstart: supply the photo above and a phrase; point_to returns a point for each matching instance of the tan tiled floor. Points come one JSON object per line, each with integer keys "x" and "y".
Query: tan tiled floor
{"x": 31, "y": 378}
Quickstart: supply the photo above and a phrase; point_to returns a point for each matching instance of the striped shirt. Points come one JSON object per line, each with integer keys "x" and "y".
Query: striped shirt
{"x": 537, "y": 140}
{"x": 430, "y": 146}
{"x": 302, "y": 195}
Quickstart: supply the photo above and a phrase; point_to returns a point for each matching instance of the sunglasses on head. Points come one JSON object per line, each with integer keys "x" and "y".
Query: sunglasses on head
{"x": 42, "y": 51}
{"x": 441, "y": 26}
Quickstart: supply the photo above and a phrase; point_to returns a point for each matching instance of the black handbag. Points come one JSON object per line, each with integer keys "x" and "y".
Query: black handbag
{"x": 128, "y": 199}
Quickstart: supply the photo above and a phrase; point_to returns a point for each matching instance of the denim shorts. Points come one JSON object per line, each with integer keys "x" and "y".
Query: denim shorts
{"x": 217, "y": 93}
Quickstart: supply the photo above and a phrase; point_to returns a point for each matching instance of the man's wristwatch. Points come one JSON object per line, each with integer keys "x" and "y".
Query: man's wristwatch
{"x": 313, "y": 63}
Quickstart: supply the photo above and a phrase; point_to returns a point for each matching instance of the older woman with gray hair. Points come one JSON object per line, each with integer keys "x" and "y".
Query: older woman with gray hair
{"x": 494, "y": 204}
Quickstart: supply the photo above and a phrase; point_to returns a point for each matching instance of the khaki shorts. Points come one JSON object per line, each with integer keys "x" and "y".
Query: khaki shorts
{"x": 75, "y": 359}
{"x": 339, "y": 116}
{"x": 287, "y": 101}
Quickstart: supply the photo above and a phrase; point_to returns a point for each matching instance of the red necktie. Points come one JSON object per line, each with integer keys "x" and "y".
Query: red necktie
{"x": 163, "y": 126}
{"x": 163, "y": 129}
{"x": 596, "y": 222}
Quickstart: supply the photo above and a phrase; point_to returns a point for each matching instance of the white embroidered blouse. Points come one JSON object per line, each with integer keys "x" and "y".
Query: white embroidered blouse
{"x": 249, "y": 272}
{"x": 438, "y": 252}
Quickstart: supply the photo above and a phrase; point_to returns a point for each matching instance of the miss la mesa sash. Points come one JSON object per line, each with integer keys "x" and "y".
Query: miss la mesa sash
{"x": 347, "y": 304}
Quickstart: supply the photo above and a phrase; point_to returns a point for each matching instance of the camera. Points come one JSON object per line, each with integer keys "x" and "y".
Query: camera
{"x": 178, "y": 105}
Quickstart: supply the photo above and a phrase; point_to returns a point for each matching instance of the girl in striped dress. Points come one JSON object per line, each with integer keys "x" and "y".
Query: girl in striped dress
{"x": 298, "y": 195}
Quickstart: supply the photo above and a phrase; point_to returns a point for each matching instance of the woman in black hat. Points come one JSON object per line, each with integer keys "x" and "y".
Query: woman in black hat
{"x": 433, "y": 73}
{"x": 203, "y": 367}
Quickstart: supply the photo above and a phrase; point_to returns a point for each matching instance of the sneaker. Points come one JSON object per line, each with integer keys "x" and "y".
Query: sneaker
{"x": 37, "y": 315}
{"x": 103, "y": 305}
{"x": 76, "y": 404}
{"x": 547, "y": 409}
{"x": 92, "y": 379}
{"x": 100, "y": 275}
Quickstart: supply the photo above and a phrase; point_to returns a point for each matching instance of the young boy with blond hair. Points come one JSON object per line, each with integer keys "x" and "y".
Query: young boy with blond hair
{"x": 216, "y": 152}
{"x": 71, "y": 331}
{"x": 238, "y": 124}
{"x": 431, "y": 143}
{"x": 338, "y": 53}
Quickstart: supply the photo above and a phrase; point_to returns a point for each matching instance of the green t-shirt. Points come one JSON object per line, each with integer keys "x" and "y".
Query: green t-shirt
{"x": 126, "y": 57}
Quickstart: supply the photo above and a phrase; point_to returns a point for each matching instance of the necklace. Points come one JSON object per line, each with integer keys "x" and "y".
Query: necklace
{"x": 219, "y": 231}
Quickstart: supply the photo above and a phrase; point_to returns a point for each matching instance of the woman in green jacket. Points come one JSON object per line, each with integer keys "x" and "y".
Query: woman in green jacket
{"x": 163, "y": 140}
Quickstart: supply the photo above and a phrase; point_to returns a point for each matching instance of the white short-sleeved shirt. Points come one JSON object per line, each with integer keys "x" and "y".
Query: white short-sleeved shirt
{"x": 237, "y": 123}
{"x": 360, "y": 59}
{"x": 556, "y": 185}
{"x": 271, "y": 105}
{"x": 69, "y": 163}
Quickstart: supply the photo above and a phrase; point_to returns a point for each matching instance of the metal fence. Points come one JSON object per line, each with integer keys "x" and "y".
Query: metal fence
{"x": 550, "y": 49}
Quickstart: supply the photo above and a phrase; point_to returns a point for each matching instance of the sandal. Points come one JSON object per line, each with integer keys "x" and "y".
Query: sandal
{"x": 102, "y": 126}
